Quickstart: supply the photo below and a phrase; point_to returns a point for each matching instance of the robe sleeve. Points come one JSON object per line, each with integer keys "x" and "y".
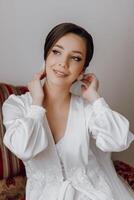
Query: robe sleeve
{"x": 109, "y": 128}
{"x": 25, "y": 134}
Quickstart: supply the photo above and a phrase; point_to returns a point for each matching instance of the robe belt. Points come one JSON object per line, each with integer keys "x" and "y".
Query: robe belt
{"x": 63, "y": 189}
{"x": 63, "y": 193}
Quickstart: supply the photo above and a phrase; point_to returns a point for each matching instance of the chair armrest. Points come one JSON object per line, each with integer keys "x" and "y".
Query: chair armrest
{"x": 125, "y": 171}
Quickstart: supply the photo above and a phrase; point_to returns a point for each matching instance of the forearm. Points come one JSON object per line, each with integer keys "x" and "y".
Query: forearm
{"x": 93, "y": 96}
{"x": 26, "y": 136}
{"x": 108, "y": 127}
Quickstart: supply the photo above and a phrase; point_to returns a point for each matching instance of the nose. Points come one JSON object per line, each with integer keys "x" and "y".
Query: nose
{"x": 63, "y": 63}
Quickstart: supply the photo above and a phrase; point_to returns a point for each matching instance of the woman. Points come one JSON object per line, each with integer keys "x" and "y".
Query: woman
{"x": 50, "y": 128}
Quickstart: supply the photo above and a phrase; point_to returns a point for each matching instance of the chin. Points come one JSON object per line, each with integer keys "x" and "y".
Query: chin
{"x": 59, "y": 82}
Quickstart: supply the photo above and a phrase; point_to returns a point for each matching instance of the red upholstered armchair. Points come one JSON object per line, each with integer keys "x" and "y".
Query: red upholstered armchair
{"x": 12, "y": 171}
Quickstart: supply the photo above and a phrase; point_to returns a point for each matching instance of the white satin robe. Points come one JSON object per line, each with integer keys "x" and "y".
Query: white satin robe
{"x": 86, "y": 171}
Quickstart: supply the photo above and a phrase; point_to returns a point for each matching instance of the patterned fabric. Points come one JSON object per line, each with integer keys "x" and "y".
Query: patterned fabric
{"x": 126, "y": 171}
{"x": 10, "y": 165}
{"x": 13, "y": 188}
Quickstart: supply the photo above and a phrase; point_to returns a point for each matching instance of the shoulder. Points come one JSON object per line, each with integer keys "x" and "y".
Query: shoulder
{"x": 18, "y": 101}
{"x": 23, "y": 98}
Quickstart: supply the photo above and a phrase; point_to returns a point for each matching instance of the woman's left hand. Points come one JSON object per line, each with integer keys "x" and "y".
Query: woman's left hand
{"x": 89, "y": 90}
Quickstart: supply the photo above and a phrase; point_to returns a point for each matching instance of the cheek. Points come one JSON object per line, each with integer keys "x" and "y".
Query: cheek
{"x": 49, "y": 64}
{"x": 77, "y": 70}
{"x": 48, "y": 70}
{"x": 50, "y": 60}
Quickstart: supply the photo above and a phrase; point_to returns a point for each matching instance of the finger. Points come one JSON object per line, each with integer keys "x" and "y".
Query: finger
{"x": 83, "y": 88}
{"x": 43, "y": 76}
{"x": 88, "y": 77}
{"x": 97, "y": 84}
{"x": 85, "y": 84}
{"x": 39, "y": 74}
{"x": 87, "y": 81}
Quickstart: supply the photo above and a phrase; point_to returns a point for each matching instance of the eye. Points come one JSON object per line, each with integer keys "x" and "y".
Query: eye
{"x": 55, "y": 51}
{"x": 78, "y": 59}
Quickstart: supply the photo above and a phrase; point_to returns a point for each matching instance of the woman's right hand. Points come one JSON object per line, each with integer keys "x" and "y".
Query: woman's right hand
{"x": 36, "y": 89}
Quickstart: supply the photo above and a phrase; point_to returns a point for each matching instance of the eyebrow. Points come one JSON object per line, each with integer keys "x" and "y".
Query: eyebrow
{"x": 61, "y": 47}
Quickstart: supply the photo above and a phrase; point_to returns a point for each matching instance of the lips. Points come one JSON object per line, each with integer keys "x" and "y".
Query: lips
{"x": 59, "y": 73}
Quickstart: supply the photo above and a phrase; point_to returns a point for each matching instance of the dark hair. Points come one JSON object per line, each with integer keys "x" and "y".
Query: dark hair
{"x": 62, "y": 29}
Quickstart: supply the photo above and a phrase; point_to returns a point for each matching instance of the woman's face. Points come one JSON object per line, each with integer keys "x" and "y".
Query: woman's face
{"x": 66, "y": 59}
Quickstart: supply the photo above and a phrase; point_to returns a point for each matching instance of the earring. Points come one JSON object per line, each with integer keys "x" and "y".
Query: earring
{"x": 80, "y": 77}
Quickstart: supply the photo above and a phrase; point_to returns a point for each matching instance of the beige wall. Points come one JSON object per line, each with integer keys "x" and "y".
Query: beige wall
{"x": 24, "y": 25}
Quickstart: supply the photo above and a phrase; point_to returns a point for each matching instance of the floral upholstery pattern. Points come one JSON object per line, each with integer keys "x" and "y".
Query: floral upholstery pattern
{"x": 13, "y": 188}
{"x": 126, "y": 171}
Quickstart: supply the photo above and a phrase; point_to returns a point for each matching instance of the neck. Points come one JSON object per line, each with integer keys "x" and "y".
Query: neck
{"x": 56, "y": 95}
